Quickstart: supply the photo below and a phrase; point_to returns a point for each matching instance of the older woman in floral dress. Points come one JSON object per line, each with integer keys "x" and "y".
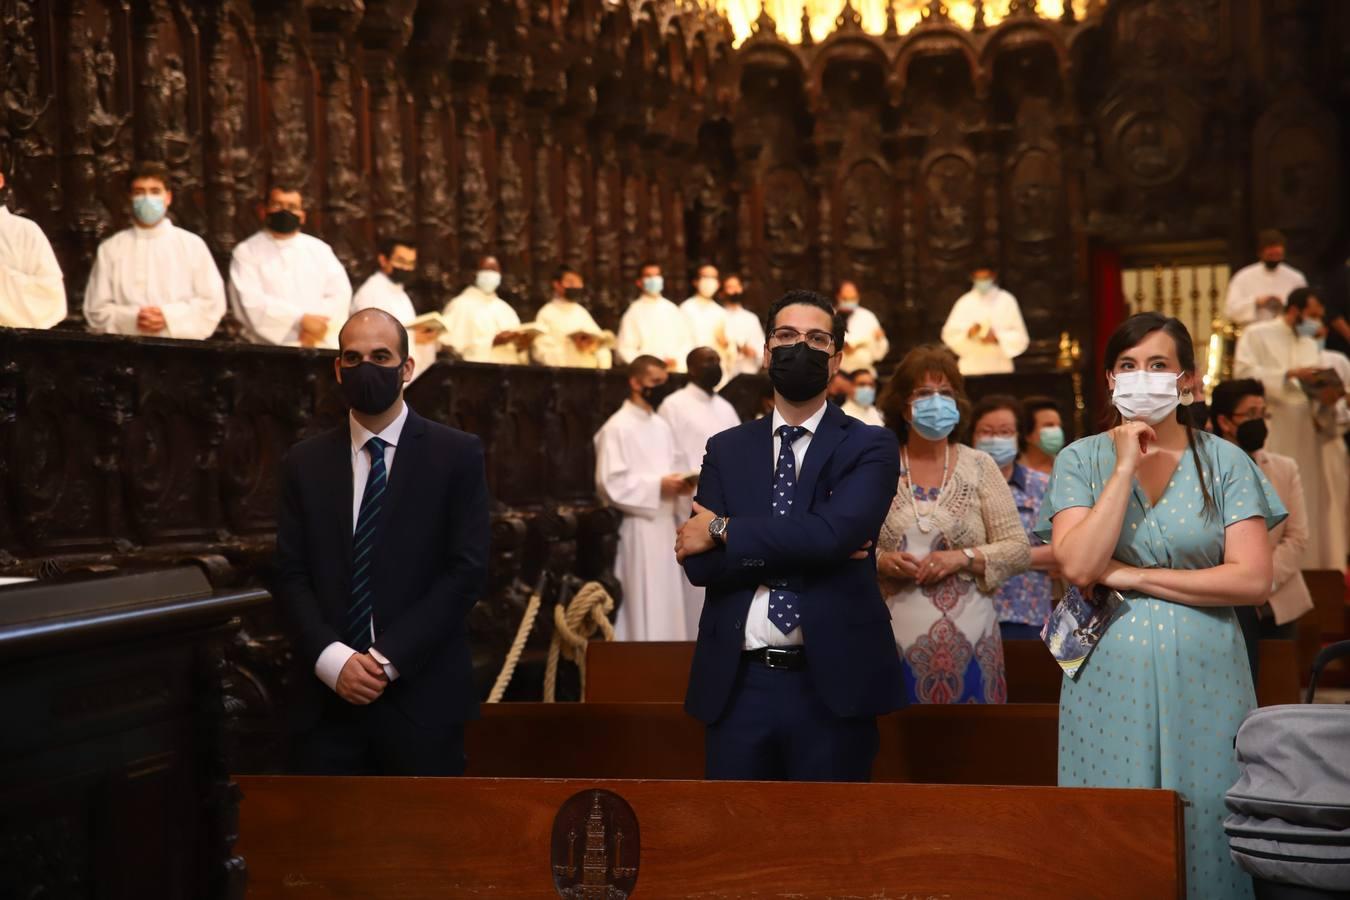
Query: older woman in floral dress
{"x": 951, "y": 538}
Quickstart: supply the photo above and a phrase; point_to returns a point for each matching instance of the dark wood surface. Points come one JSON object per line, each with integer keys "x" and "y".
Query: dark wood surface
{"x": 428, "y": 839}
{"x": 969, "y": 744}
{"x": 113, "y": 773}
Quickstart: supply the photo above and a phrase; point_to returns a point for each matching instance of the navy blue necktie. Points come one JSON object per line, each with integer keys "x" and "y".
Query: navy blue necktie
{"x": 785, "y": 610}
{"x": 363, "y": 548}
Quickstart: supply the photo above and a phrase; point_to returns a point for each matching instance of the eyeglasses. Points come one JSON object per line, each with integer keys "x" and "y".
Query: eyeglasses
{"x": 1247, "y": 417}
{"x": 789, "y": 337}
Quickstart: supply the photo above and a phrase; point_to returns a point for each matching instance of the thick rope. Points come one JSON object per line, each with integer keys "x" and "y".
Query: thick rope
{"x": 586, "y": 614}
{"x": 517, "y": 647}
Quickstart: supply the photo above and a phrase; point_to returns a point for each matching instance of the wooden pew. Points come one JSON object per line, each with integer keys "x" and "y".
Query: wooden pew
{"x": 966, "y": 744}
{"x": 1330, "y": 611}
{"x": 433, "y": 838}
{"x": 658, "y": 672}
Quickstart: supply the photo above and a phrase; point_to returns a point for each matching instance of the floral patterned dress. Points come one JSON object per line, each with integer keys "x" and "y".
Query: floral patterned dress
{"x": 947, "y": 632}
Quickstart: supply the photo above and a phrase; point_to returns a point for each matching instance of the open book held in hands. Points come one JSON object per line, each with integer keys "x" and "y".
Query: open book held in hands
{"x": 432, "y": 320}
{"x": 1077, "y": 625}
{"x": 604, "y": 340}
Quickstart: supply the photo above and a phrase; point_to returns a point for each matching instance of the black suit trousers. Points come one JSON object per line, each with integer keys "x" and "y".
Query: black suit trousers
{"x": 377, "y": 739}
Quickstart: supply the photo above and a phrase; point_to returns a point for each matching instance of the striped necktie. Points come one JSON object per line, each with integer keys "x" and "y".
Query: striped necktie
{"x": 363, "y": 552}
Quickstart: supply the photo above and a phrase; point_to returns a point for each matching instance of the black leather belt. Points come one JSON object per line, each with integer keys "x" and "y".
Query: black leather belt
{"x": 791, "y": 658}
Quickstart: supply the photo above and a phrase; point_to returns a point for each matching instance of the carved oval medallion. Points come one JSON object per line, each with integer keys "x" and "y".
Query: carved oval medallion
{"x": 595, "y": 847}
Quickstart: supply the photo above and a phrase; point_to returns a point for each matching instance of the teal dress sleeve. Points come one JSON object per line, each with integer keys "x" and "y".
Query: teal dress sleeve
{"x": 1069, "y": 486}
{"x": 1243, "y": 492}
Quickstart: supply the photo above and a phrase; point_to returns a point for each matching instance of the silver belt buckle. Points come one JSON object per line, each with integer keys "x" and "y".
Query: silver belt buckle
{"x": 777, "y": 658}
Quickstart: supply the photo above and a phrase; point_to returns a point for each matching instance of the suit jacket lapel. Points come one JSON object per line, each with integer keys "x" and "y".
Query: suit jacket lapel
{"x": 759, "y": 453}
{"x": 338, "y": 461}
{"x": 830, "y": 434}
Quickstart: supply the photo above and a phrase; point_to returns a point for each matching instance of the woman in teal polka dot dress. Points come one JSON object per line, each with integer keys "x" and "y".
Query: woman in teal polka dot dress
{"x": 1176, "y": 521}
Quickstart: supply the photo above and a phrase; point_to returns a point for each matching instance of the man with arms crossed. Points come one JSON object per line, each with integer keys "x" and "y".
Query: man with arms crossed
{"x": 795, "y": 657}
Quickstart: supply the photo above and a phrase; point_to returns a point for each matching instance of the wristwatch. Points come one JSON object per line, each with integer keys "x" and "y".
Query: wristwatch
{"x": 717, "y": 530}
{"x": 970, "y": 555}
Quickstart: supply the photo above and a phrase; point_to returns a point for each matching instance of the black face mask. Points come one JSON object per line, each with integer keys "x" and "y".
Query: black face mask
{"x": 707, "y": 378}
{"x": 283, "y": 221}
{"x": 575, "y": 294}
{"x": 369, "y": 388}
{"x": 1251, "y": 435}
{"x": 400, "y": 276}
{"x": 731, "y": 298}
{"x": 1270, "y": 264}
{"x": 656, "y": 393}
{"x": 798, "y": 372}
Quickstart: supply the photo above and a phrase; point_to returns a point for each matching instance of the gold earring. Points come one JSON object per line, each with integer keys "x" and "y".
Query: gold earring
{"x": 1187, "y": 397}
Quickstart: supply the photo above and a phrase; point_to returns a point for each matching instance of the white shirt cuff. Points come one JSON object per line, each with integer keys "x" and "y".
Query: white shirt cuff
{"x": 329, "y": 665}
{"x": 389, "y": 671}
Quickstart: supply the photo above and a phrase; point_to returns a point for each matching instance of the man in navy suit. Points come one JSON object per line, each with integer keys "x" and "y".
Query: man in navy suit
{"x": 795, "y": 656}
{"x": 382, "y": 548}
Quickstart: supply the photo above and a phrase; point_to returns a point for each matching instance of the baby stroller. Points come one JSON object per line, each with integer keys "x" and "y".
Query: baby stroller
{"x": 1289, "y": 826}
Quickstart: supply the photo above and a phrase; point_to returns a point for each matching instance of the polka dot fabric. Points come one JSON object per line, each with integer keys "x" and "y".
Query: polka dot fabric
{"x": 785, "y": 609}
{"x": 1159, "y": 702}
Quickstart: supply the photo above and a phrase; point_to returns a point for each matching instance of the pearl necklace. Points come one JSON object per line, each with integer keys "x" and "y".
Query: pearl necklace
{"x": 925, "y": 521}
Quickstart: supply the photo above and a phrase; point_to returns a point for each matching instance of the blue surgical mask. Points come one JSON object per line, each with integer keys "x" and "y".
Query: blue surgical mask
{"x": 984, "y": 285}
{"x": 935, "y": 416}
{"x": 148, "y": 208}
{"x": 1002, "y": 449}
{"x": 653, "y": 284}
{"x": 1309, "y": 327}
{"x": 488, "y": 281}
{"x": 865, "y": 395}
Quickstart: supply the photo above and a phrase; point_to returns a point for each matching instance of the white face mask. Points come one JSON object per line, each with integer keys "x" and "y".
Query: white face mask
{"x": 707, "y": 287}
{"x": 488, "y": 281}
{"x": 1146, "y": 396}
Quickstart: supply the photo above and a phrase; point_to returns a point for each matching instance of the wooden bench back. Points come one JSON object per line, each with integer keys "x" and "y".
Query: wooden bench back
{"x": 433, "y": 838}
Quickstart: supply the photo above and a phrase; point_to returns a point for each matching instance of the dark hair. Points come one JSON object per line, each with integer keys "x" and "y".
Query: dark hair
{"x": 649, "y": 264}
{"x": 983, "y": 264}
{"x": 149, "y": 168}
{"x": 1131, "y": 333}
{"x": 388, "y": 244}
{"x": 735, "y": 274}
{"x": 807, "y": 298}
{"x": 926, "y": 359}
{"x": 1269, "y": 237}
{"x": 640, "y": 366}
{"x": 1298, "y": 298}
{"x": 1033, "y": 405}
{"x": 376, "y": 311}
{"x": 564, "y": 269}
{"x": 284, "y": 187}
{"x": 993, "y": 403}
{"x": 1226, "y": 397}
{"x": 853, "y": 376}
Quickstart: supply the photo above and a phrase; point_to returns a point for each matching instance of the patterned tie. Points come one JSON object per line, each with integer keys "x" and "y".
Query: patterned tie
{"x": 363, "y": 543}
{"x": 784, "y": 607}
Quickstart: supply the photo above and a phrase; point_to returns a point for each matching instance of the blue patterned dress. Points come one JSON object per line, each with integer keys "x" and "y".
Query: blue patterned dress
{"x": 1158, "y": 703}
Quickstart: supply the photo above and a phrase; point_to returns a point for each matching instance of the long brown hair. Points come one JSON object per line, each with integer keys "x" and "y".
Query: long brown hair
{"x": 1131, "y": 333}
{"x": 924, "y": 360}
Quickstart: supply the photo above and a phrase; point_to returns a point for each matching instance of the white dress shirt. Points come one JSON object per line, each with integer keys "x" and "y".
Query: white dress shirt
{"x": 329, "y": 665}
{"x": 381, "y": 292}
{"x": 163, "y": 266}
{"x": 275, "y": 281}
{"x": 997, "y": 313}
{"x": 1251, "y": 283}
{"x": 32, "y": 289}
{"x": 759, "y": 631}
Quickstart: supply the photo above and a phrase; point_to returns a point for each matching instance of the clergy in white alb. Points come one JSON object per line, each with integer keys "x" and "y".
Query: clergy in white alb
{"x": 32, "y": 289}
{"x": 154, "y": 278}
{"x": 481, "y": 326}
{"x": 865, "y": 343}
{"x": 706, "y": 317}
{"x": 384, "y": 289}
{"x": 695, "y": 413}
{"x": 1333, "y": 422}
{"x": 1276, "y": 354}
{"x": 1258, "y": 292}
{"x": 653, "y": 326}
{"x": 745, "y": 333}
{"x": 640, "y": 472}
{"x": 862, "y": 399}
{"x": 985, "y": 328}
{"x": 288, "y": 287}
{"x": 571, "y": 337}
